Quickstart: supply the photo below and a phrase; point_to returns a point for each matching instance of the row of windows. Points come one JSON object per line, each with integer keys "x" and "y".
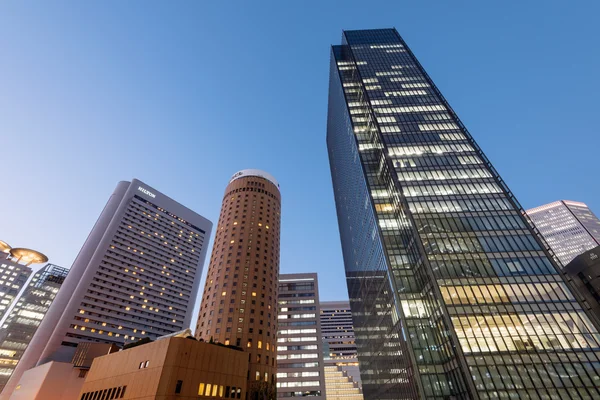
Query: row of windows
{"x": 479, "y": 244}
{"x": 406, "y": 138}
{"x": 462, "y": 205}
{"x": 518, "y": 376}
{"x": 296, "y": 356}
{"x": 449, "y": 268}
{"x": 244, "y": 189}
{"x": 297, "y": 384}
{"x": 106, "y": 394}
{"x": 509, "y": 293}
{"x": 296, "y": 331}
{"x": 296, "y": 348}
{"x": 468, "y": 224}
{"x": 395, "y": 151}
{"x": 451, "y": 189}
{"x": 297, "y": 339}
{"x": 296, "y": 323}
{"x": 474, "y": 173}
{"x": 220, "y": 391}
{"x": 521, "y": 332}
{"x": 297, "y": 374}
{"x": 297, "y": 286}
{"x": 308, "y": 301}
{"x": 434, "y": 160}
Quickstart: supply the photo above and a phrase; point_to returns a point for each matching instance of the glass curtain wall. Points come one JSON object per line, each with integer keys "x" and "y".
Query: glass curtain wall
{"x": 453, "y": 294}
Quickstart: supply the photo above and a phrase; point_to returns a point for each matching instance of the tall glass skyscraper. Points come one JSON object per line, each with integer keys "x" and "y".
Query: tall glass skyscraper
{"x": 569, "y": 227}
{"x": 453, "y": 294}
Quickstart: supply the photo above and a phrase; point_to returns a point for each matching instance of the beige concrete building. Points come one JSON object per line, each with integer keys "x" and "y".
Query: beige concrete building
{"x": 168, "y": 369}
{"x": 57, "y": 380}
{"x": 239, "y": 303}
{"x": 51, "y": 381}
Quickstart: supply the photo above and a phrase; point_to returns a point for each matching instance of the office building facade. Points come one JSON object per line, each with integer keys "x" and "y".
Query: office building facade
{"x": 453, "y": 294}
{"x": 239, "y": 303}
{"x": 137, "y": 275}
{"x": 569, "y": 228}
{"x": 300, "y": 371}
{"x": 14, "y": 273}
{"x": 25, "y": 317}
{"x": 341, "y": 363}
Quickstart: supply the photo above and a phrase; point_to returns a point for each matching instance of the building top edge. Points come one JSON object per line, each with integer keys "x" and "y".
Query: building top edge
{"x": 554, "y": 204}
{"x": 255, "y": 172}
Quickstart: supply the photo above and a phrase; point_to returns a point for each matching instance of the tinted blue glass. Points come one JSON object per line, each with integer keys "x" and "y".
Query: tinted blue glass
{"x": 453, "y": 293}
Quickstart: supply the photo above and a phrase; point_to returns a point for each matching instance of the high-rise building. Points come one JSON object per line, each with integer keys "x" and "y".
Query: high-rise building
{"x": 342, "y": 374}
{"x": 14, "y": 273}
{"x": 25, "y": 317}
{"x": 239, "y": 303}
{"x": 584, "y": 272}
{"x": 137, "y": 275}
{"x": 569, "y": 228}
{"x": 453, "y": 294}
{"x": 300, "y": 370}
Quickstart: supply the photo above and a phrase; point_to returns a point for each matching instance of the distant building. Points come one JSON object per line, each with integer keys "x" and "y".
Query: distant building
{"x": 569, "y": 228}
{"x": 137, "y": 275}
{"x": 584, "y": 272}
{"x": 342, "y": 375}
{"x": 56, "y": 380}
{"x": 14, "y": 272}
{"x": 239, "y": 303}
{"x": 170, "y": 368}
{"x": 300, "y": 370}
{"x": 25, "y": 317}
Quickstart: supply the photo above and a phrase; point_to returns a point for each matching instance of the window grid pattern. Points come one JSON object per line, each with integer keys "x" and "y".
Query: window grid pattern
{"x": 26, "y": 316}
{"x": 239, "y": 303}
{"x": 299, "y": 321}
{"x": 143, "y": 285}
{"x": 12, "y": 278}
{"x": 446, "y": 221}
{"x": 570, "y": 228}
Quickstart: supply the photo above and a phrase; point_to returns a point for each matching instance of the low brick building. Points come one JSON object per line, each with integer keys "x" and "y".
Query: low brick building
{"x": 171, "y": 368}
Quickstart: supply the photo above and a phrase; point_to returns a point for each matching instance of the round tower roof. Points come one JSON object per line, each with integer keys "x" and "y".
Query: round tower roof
{"x": 254, "y": 172}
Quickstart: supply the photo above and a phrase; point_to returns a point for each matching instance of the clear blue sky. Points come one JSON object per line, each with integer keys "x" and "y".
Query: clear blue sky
{"x": 183, "y": 94}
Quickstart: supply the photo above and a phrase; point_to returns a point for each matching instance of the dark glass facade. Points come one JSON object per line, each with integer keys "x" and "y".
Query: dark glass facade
{"x": 584, "y": 272}
{"x": 453, "y": 294}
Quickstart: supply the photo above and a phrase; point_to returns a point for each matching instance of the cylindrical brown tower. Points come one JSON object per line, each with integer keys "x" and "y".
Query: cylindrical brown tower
{"x": 239, "y": 304}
